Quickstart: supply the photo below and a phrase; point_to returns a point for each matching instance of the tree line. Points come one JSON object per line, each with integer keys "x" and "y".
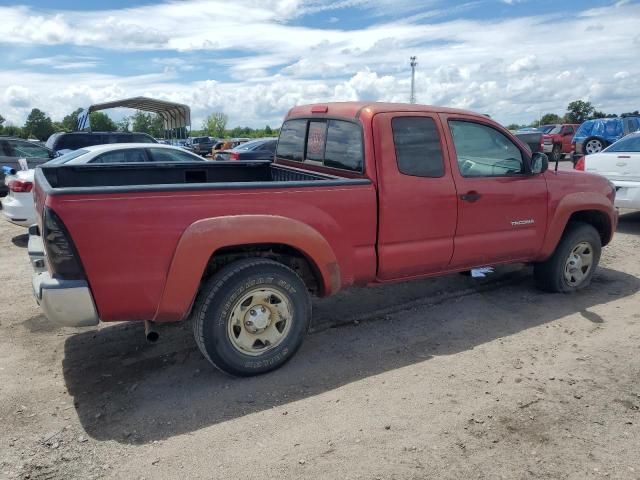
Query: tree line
{"x": 40, "y": 126}
{"x": 577, "y": 112}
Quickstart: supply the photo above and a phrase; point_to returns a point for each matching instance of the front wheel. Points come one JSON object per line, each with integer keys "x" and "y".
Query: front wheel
{"x": 251, "y": 316}
{"x": 574, "y": 261}
{"x": 556, "y": 153}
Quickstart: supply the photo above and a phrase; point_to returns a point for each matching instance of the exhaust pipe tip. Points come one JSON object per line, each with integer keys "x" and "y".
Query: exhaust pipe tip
{"x": 150, "y": 332}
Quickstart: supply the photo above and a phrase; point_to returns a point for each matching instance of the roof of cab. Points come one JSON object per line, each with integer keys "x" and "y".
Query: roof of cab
{"x": 354, "y": 109}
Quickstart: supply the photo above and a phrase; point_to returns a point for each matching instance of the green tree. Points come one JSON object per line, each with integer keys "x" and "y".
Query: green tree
{"x": 215, "y": 124}
{"x": 549, "y": 118}
{"x": 578, "y": 111}
{"x": 123, "y": 124}
{"x": 38, "y": 125}
{"x": 267, "y": 131}
{"x": 1, "y": 123}
{"x": 100, "y": 122}
{"x": 70, "y": 121}
{"x": 13, "y": 131}
{"x": 147, "y": 123}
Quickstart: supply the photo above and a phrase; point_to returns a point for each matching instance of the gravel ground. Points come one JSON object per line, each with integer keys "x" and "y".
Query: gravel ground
{"x": 448, "y": 378}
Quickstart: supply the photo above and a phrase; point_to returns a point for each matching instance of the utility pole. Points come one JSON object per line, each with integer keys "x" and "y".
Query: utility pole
{"x": 413, "y": 64}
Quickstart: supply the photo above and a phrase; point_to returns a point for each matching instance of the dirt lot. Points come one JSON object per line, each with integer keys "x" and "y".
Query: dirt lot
{"x": 450, "y": 378}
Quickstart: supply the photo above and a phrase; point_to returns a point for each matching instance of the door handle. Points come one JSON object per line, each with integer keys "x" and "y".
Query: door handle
{"x": 471, "y": 196}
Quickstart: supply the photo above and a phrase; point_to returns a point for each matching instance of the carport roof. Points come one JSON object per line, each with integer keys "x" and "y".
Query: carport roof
{"x": 175, "y": 115}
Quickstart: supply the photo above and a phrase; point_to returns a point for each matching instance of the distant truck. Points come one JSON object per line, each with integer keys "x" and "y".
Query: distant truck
{"x": 358, "y": 194}
{"x": 553, "y": 139}
{"x": 200, "y": 145}
{"x": 556, "y": 140}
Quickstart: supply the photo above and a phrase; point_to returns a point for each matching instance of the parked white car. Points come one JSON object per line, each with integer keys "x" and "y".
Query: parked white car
{"x": 18, "y": 206}
{"x": 620, "y": 163}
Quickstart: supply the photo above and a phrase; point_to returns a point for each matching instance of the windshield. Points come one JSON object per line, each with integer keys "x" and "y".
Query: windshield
{"x": 551, "y": 129}
{"x": 67, "y": 157}
{"x": 626, "y": 144}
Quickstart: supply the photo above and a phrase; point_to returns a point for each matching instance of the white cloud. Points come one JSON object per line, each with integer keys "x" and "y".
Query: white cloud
{"x": 510, "y": 68}
{"x": 64, "y": 62}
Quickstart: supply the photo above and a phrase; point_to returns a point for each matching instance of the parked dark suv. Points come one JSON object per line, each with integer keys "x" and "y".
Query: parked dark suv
{"x": 75, "y": 140}
{"x": 12, "y": 149}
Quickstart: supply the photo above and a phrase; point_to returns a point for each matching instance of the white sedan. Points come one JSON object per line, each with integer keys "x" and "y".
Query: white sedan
{"x": 620, "y": 163}
{"x": 18, "y": 206}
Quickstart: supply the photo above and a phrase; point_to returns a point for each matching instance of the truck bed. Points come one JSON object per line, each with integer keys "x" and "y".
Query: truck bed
{"x": 65, "y": 179}
{"x": 128, "y": 221}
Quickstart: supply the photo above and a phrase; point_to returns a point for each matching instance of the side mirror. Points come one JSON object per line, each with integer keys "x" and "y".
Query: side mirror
{"x": 539, "y": 163}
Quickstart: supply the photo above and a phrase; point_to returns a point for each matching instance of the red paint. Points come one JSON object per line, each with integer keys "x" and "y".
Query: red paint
{"x": 145, "y": 253}
{"x": 562, "y": 139}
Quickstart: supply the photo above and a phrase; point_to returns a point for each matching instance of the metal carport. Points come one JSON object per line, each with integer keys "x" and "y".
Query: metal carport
{"x": 176, "y": 116}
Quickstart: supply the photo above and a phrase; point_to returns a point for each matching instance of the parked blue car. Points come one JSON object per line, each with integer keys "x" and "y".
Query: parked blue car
{"x": 593, "y": 136}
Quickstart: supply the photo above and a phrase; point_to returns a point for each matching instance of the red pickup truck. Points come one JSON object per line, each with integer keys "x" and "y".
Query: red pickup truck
{"x": 556, "y": 140}
{"x": 359, "y": 194}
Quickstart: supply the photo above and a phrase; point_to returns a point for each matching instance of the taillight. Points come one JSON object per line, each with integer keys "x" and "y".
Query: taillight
{"x": 579, "y": 164}
{"x": 20, "y": 186}
{"x": 62, "y": 256}
{"x": 235, "y": 156}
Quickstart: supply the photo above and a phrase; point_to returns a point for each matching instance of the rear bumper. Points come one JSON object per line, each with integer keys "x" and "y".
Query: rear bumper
{"x": 15, "y": 211}
{"x": 67, "y": 303}
{"x": 627, "y": 194}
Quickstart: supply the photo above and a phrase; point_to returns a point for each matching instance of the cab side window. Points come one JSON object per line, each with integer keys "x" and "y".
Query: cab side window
{"x": 121, "y": 156}
{"x": 483, "y": 151}
{"x": 418, "y": 149}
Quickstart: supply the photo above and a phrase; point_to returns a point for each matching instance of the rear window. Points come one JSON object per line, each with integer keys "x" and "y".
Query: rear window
{"x": 292, "y": 137}
{"x": 626, "y": 144}
{"x": 331, "y": 143}
{"x": 69, "y": 156}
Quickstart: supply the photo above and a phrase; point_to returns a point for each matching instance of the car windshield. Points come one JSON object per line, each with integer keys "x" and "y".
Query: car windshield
{"x": 550, "y": 129}
{"x": 67, "y": 157}
{"x": 626, "y": 144}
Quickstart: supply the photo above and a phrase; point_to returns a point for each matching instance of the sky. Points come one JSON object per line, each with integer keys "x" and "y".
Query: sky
{"x": 255, "y": 59}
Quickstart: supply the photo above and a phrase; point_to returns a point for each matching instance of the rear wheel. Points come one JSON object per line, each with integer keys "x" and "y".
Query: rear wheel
{"x": 593, "y": 145}
{"x": 556, "y": 153}
{"x": 251, "y": 316}
{"x": 572, "y": 265}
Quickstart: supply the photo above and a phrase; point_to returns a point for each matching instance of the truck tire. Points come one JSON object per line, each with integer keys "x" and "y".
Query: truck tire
{"x": 556, "y": 153}
{"x": 574, "y": 261}
{"x": 251, "y": 316}
{"x": 593, "y": 145}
